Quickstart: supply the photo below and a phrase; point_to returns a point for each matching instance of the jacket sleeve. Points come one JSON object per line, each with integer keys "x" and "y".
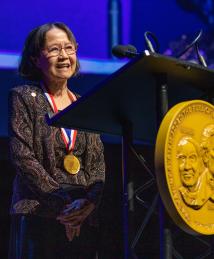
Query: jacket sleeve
{"x": 95, "y": 167}
{"x": 23, "y": 158}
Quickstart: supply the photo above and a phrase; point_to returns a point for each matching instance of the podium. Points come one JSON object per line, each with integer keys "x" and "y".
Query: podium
{"x": 132, "y": 102}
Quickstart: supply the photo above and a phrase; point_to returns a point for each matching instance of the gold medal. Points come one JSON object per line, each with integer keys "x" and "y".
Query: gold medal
{"x": 71, "y": 164}
{"x": 184, "y": 164}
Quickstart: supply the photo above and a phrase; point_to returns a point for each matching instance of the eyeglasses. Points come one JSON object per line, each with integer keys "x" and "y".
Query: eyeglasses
{"x": 55, "y": 50}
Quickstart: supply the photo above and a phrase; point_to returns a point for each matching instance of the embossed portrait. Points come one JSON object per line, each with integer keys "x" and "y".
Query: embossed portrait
{"x": 207, "y": 146}
{"x": 190, "y": 168}
{"x": 188, "y": 161}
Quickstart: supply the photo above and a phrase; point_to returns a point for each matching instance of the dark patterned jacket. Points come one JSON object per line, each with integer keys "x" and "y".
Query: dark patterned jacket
{"x": 37, "y": 152}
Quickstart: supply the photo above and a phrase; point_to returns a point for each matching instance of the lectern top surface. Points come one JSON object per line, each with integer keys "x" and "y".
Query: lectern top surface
{"x": 129, "y": 95}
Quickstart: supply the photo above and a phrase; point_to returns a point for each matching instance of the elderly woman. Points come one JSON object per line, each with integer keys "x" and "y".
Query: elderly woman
{"x": 59, "y": 172}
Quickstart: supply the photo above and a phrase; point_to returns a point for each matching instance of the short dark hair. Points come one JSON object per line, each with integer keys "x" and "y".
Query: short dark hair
{"x": 34, "y": 43}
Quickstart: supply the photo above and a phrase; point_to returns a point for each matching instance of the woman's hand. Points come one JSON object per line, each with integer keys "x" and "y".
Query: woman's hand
{"x": 71, "y": 231}
{"x": 76, "y": 217}
{"x": 75, "y": 205}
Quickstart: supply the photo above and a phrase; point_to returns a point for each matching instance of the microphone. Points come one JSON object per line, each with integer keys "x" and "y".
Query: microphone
{"x": 194, "y": 43}
{"x": 201, "y": 59}
{"x": 149, "y": 43}
{"x": 125, "y": 51}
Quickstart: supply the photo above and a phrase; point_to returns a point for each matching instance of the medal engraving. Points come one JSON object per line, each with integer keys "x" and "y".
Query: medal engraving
{"x": 184, "y": 161}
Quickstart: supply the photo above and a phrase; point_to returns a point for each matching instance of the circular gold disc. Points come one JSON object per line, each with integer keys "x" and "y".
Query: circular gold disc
{"x": 71, "y": 164}
{"x": 184, "y": 162}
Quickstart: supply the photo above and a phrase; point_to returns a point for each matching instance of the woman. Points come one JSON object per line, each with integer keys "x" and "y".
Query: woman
{"x": 59, "y": 172}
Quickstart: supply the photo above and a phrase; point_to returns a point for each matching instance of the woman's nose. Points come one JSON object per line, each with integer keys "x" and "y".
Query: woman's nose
{"x": 63, "y": 53}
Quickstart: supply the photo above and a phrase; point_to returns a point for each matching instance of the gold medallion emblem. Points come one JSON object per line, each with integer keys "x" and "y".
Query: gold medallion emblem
{"x": 184, "y": 161}
{"x": 71, "y": 164}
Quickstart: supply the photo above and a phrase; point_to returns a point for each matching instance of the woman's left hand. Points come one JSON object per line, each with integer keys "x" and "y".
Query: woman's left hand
{"x": 76, "y": 217}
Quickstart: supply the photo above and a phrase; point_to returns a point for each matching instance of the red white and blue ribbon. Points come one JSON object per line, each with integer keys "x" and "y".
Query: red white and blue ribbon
{"x": 68, "y": 135}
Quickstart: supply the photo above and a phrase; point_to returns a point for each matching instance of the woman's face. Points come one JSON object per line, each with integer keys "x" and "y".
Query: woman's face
{"x": 58, "y": 60}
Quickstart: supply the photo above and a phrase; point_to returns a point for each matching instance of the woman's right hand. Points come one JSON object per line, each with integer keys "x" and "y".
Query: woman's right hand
{"x": 75, "y": 205}
{"x": 76, "y": 217}
{"x": 71, "y": 231}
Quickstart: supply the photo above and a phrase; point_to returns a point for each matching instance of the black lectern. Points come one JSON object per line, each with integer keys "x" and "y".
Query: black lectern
{"x": 132, "y": 102}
